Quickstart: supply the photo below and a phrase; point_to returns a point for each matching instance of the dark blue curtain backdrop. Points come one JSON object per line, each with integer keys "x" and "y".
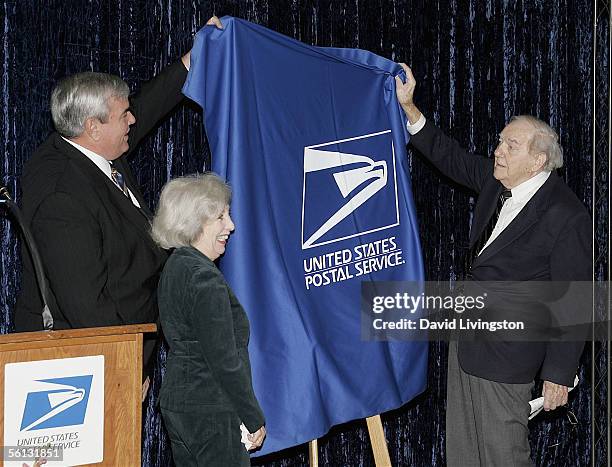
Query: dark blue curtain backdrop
{"x": 477, "y": 62}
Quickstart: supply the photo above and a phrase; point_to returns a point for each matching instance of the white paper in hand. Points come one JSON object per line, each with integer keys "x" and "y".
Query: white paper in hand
{"x": 244, "y": 437}
{"x": 538, "y": 404}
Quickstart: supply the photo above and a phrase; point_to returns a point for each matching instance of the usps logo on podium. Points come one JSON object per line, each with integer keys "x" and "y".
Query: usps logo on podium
{"x": 57, "y": 403}
{"x": 350, "y": 189}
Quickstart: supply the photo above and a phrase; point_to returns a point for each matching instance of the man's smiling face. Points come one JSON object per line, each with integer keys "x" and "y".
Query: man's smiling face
{"x": 114, "y": 132}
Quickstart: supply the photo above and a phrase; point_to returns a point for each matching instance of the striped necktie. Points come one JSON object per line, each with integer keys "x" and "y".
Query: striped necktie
{"x": 119, "y": 181}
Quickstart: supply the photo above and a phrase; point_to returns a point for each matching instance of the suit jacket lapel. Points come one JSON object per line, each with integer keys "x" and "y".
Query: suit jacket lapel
{"x": 108, "y": 190}
{"x": 528, "y": 216}
{"x": 525, "y": 219}
{"x": 484, "y": 211}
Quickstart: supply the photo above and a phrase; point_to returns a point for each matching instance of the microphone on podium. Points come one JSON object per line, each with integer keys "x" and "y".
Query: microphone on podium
{"x": 5, "y": 198}
{"x": 5, "y": 193}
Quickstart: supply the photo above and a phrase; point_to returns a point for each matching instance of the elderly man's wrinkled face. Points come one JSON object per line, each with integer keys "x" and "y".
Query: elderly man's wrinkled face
{"x": 215, "y": 234}
{"x": 514, "y": 164}
{"x": 114, "y": 132}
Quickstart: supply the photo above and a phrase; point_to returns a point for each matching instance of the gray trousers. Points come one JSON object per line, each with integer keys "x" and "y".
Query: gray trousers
{"x": 486, "y": 421}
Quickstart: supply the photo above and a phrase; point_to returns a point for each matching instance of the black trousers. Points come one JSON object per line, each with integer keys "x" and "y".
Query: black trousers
{"x": 205, "y": 440}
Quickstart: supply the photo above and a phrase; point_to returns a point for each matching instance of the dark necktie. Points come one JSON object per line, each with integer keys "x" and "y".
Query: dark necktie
{"x": 488, "y": 230}
{"x": 119, "y": 181}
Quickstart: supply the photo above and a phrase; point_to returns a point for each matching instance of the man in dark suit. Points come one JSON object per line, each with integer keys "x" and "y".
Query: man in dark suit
{"x": 84, "y": 208}
{"x": 527, "y": 226}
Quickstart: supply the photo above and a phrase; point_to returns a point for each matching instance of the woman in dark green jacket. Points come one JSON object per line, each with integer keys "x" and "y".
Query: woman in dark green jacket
{"x": 207, "y": 391}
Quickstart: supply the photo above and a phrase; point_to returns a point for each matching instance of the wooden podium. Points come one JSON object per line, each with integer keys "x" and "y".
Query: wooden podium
{"x": 121, "y": 347}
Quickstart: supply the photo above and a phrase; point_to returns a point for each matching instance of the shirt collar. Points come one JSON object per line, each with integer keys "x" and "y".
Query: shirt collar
{"x": 529, "y": 187}
{"x": 97, "y": 159}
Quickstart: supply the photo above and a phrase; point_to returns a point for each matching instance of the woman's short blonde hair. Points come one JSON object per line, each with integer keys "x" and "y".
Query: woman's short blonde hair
{"x": 185, "y": 205}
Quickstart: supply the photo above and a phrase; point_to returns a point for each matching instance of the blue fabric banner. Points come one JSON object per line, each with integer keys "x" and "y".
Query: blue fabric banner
{"x": 312, "y": 141}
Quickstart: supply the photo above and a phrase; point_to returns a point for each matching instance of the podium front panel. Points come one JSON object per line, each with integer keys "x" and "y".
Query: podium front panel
{"x": 78, "y": 390}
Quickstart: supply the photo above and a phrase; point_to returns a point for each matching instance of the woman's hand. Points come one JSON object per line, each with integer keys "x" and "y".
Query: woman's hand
{"x": 258, "y": 437}
{"x": 37, "y": 463}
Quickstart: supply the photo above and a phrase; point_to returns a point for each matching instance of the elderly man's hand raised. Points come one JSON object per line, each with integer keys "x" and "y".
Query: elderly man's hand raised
{"x": 405, "y": 94}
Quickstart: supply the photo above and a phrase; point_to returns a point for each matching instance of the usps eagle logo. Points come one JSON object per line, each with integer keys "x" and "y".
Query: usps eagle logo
{"x": 350, "y": 189}
{"x": 56, "y": 402}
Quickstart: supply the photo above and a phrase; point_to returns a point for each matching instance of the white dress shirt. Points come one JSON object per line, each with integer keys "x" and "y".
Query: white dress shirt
{"x": 417, "y": 126}
{"x": 521, "y": 194}
{"x": 103, "y": 165}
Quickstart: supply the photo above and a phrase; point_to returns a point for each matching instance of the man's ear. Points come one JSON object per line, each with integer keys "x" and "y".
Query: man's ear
{"x": 92, "y": 128}
{"x": 539, "y": 162}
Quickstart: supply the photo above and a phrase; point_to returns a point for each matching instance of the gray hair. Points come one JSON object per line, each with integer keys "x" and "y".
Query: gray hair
{"x": 84, "y": 95}
{"x": 545, "y": 140}
{"x": 185, "y": 204}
